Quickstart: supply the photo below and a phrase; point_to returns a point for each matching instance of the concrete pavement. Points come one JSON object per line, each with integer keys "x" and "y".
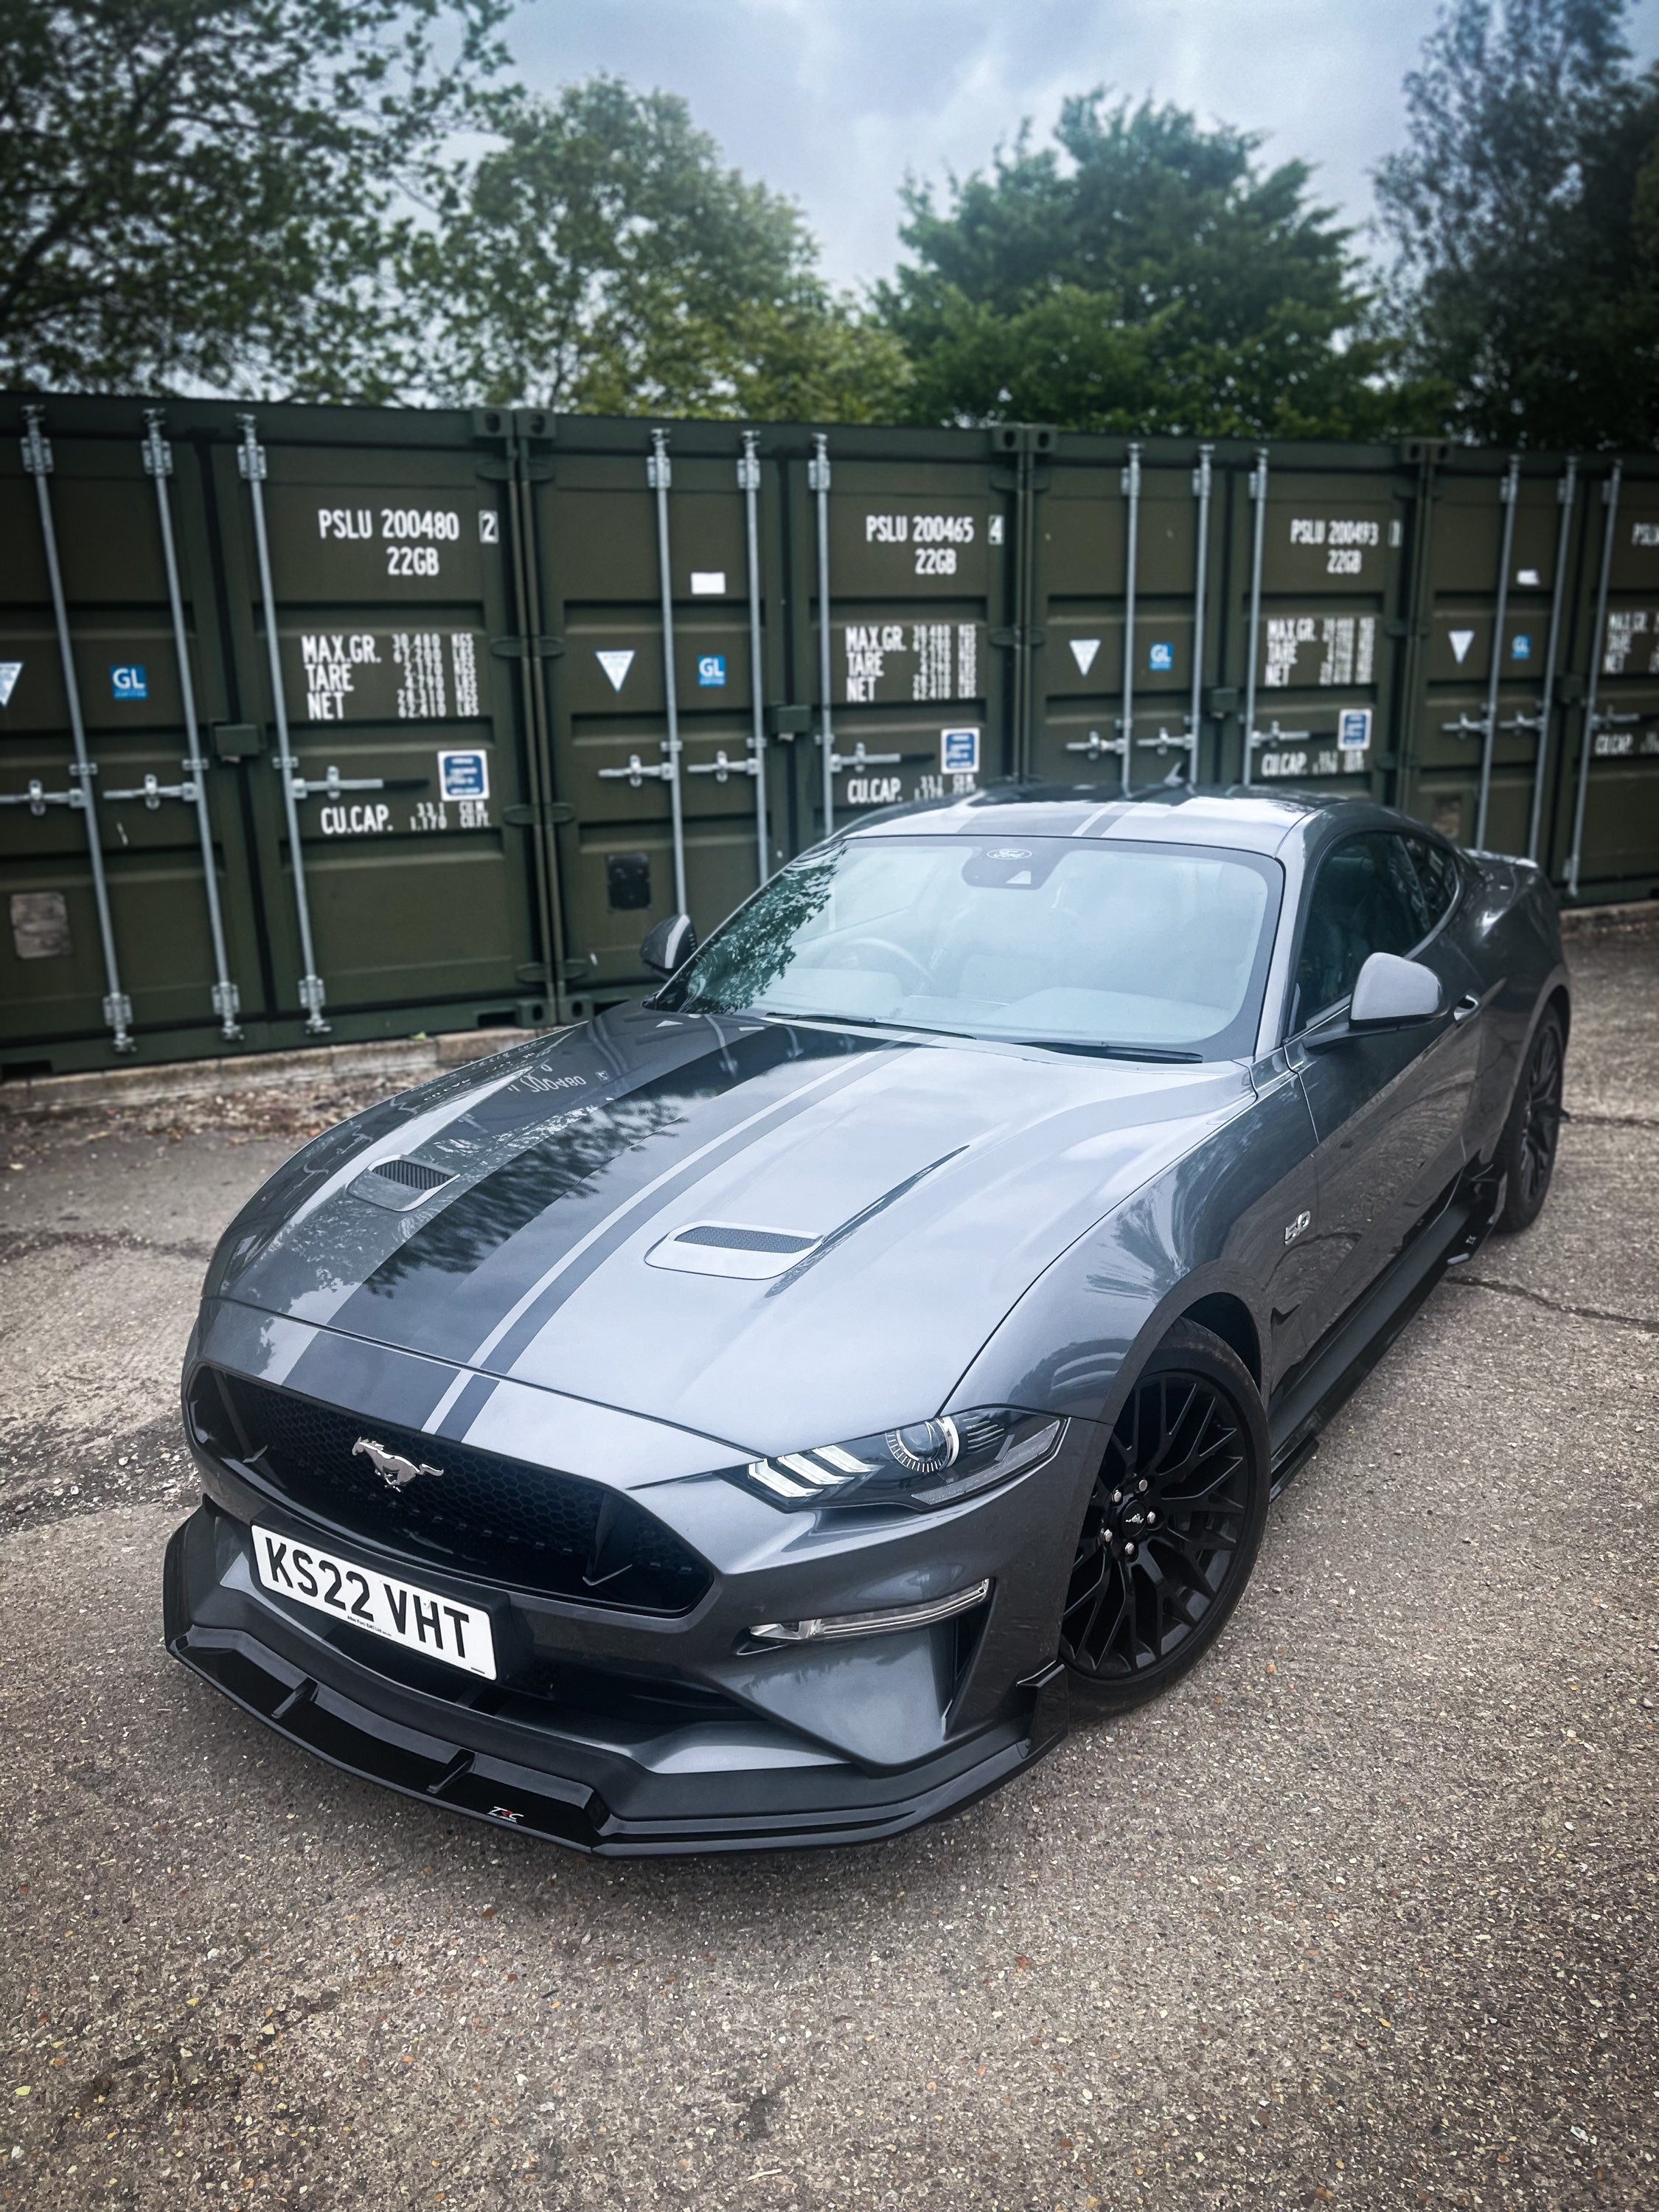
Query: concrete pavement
{"x": 1365, "y": 1913}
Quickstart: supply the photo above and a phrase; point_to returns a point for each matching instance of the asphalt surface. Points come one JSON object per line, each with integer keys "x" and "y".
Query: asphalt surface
{"x": 1364, "y": 1913}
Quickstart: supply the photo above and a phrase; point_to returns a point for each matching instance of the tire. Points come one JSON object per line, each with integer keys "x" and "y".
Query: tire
{"x": 1147, "y": 1600}
{"x": 1526, "y": 1151}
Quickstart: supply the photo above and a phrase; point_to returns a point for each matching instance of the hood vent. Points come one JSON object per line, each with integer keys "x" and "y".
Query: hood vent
{"x": 735, "y": 1249}
{"x": 398, "y": 1185}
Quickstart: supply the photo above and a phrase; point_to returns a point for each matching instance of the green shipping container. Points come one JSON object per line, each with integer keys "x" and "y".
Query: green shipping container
{"x": 355, "y": 722}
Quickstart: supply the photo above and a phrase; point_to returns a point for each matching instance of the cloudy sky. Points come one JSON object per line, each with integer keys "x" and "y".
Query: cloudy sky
{"x": 832, "y": 100}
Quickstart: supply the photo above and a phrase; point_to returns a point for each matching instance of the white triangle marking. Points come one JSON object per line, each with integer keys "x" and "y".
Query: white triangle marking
{"x": 1083, "y": 650}
{"x": 1462, "y": 640}
{"x": 616, "y": 666}
{"x": 9, "y": 672}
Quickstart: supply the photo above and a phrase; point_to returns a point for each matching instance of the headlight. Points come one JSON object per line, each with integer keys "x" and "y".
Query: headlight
{"x": 926, "y": 1464}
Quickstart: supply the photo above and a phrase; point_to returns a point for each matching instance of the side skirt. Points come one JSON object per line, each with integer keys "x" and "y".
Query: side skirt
{"x": 1309, "y": 1398}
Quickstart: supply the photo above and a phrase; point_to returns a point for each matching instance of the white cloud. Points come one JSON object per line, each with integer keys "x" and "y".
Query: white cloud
{"x": 833, "y": 101}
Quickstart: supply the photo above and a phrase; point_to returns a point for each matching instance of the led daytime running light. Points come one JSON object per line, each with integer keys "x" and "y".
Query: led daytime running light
{"x": 813, "y": 1630}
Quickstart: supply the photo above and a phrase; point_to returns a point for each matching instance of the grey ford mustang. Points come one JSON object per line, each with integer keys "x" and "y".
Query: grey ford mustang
{"x": 756, "y": 1416}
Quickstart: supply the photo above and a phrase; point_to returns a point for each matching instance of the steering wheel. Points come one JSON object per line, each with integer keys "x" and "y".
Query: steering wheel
{"x": 896, "y": 952}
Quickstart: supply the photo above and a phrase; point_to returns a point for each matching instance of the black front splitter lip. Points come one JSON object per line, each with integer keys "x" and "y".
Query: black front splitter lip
{"x": 328, "y": 1721}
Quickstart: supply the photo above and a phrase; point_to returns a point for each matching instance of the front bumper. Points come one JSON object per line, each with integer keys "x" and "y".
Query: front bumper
{"x": 625, "y": 1735}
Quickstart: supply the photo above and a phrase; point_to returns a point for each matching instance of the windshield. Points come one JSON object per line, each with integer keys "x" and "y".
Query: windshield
{"x": 1051, "y": 940}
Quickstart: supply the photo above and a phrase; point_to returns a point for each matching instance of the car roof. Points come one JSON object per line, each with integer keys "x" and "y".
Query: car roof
{"x": 1246, "y": 818}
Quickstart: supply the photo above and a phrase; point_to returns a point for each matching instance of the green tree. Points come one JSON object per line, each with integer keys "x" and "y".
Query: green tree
{"x": 207, "y": 193}
{"x": 1142, "y": 274}
{"x": 1525, "y": 209}
{"x": 601, "y": 258}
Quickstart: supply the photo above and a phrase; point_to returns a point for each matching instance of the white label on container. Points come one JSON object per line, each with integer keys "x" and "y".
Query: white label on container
{"x": 464, "y": 776}
{"x": 707, "y": 583}
{"x": 1353, "y": 729}
{"x": 1347, "y": 645}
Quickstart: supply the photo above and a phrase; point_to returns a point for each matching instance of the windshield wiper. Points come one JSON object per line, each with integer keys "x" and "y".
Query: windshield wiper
{"x": 1103, "y": 1051}
{"x": 1151, "y": 1052}
{"x": 860, "y": 1021}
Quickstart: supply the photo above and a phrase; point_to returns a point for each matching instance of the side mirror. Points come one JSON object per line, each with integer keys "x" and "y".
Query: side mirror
{"x": 1389, "y": 993}
{"x": 669, "y": 946}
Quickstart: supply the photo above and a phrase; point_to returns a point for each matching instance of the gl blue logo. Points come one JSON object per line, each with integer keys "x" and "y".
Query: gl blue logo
{"x": 128, "y": 682}
{"x": 1520, "y": 647}
{"x": 1161, "y": 655}
{"x": 711, "y": 670}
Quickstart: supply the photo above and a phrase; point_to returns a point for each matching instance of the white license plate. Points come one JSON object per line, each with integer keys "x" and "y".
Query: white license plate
{"x": 418, "y": 1618}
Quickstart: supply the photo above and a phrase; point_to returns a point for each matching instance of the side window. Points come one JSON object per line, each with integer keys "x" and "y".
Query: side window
{"x": 1409, "y": 881}
{"x": 1437, "y": 873}
{"x": 1360, "y": 905}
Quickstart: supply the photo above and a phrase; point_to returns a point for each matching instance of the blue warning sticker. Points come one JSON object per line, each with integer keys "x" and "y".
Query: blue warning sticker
{"x": 464, "y": 776}
{"x": 711, "y": 670}
{"x": 958, "y": 752}
{"x": 1520, "y": 647}
{"x": 1160, "y": 654}
{"x": 127, "y": 680}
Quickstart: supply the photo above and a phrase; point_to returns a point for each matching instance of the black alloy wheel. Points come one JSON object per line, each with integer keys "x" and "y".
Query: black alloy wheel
{"x": 1172, "y": 1526}
{"x": 1526, "y": 1151}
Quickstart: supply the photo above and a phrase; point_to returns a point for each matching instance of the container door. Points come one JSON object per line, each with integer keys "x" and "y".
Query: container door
{"x": 919, "y": 651}
{"x": 1116, "y": 550}
{"x": 1490, "y": 600}
{"x": 1607, "y": 814}
{"x": 1328, "y": 630}
{"x": 652, "y": 695}
{"x": 146, "y": 761}
{"x": 396, "y": 662}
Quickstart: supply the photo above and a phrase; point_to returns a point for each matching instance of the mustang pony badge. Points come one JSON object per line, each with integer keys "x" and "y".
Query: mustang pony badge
{"x": 393, "y": 1470}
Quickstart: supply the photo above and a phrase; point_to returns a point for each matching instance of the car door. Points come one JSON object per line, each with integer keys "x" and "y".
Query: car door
{"x": 1389, "y": 1110}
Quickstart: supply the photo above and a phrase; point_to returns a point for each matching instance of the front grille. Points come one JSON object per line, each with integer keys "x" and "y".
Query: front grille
{"x": 483, "y": 1514}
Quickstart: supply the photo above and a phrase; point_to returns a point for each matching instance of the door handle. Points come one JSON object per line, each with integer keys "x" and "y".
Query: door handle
{"x": 1466, "y": 1007}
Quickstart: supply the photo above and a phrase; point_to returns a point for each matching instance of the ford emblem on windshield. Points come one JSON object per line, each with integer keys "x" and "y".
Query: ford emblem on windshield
{"x": 393, "y": 1470}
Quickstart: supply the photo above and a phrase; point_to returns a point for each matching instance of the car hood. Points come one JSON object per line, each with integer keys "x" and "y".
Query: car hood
{"x": 864, "y": 1209}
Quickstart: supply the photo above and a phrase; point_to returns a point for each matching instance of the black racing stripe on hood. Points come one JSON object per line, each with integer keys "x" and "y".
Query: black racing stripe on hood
{"x": 467, "y": 1407}
{"x": 631, "y": 1218}
{"x": 375, "y": 1380}
{"x": 445, "y": 1289}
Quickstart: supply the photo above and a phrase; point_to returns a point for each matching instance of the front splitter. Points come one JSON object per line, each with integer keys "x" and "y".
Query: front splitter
{"x": 333, "y": 1719}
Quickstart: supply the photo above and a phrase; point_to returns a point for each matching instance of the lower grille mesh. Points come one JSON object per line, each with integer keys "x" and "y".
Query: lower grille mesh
{"x": 484, "y": 1515}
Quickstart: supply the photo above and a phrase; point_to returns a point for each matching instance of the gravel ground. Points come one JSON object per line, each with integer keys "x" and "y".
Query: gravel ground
{"x": 1365, "y": 1913}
